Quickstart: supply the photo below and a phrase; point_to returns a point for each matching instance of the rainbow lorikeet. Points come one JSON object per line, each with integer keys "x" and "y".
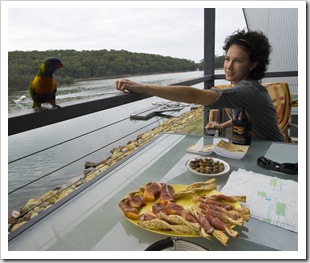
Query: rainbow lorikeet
{"x": 43, "y": 87}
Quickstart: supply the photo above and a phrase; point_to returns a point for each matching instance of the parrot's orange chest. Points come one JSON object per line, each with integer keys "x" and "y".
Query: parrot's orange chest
{"x": 43, "y": 85}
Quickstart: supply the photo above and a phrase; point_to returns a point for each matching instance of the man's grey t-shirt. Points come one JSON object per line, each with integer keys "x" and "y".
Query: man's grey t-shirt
{"x": 255, "y": 98}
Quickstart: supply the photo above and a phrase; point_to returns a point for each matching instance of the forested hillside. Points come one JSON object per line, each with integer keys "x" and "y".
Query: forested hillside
{"x": 23, "y": 66}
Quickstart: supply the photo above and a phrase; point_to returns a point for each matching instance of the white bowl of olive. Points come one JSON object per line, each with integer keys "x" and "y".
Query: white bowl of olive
{"x": 207, "y": 166}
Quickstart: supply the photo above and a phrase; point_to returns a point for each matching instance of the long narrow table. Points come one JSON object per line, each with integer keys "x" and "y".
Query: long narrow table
{"x": 91, "y": 220}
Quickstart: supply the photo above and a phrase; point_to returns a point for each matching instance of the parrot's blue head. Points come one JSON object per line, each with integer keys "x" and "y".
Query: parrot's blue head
{"x": 49, "y": 66}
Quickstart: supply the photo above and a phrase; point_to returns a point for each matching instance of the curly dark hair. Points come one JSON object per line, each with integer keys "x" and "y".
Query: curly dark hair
{"x": 258, "y": 47}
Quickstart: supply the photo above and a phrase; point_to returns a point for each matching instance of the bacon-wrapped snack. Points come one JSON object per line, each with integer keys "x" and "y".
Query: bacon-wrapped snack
{"x": 136, "y": 201}
{"x": 158, "y": 207}
{"x": 231, "y": 213}
{"x": 151, "y": 191}
{"x": 129, "y": 212}
{"x": 151, "y": 221}
{"x": 166, "y": 194}
{"x": 175, "y": 209}
{"x": 223, "y": 217}
{"x": 207, "y": 200}
{"x": 221, "y": 197}
{"x": 207, "y": 230}
{"x": 220, "y": 225}
{"x": 191, "y": 228}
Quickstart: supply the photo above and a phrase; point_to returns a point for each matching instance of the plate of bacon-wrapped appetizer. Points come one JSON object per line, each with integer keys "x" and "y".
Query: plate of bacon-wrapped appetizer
{"x": 195, "y": 210}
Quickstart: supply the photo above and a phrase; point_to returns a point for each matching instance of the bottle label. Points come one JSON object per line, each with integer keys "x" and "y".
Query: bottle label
{"x": 242, "y": 132}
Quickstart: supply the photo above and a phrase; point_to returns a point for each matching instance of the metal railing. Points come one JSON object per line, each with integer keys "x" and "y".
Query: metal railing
{"x": 28, "y": 120}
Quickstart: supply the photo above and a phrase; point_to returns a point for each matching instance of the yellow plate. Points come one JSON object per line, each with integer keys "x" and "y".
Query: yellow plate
{"x": 185, "y": 201}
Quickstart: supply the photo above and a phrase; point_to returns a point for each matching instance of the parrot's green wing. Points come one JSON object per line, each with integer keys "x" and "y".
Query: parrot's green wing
{"x": 31, "y": 92}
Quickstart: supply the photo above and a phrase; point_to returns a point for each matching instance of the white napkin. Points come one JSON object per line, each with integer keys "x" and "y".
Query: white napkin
{"x": 269, "y": 199}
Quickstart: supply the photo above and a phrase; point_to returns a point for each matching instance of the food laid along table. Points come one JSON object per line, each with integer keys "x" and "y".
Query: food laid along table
{"x": 91, "y": 220}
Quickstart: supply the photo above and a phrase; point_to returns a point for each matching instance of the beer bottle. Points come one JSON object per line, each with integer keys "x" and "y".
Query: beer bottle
{"x": 242, "y": 128}
{"x": 214, "y": 116}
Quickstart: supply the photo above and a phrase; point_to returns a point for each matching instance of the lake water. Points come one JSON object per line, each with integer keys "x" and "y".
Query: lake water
{"x": 94, "y": 146}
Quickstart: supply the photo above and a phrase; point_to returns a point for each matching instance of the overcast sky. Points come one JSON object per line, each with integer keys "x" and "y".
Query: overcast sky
{"x": 175, "y": 32}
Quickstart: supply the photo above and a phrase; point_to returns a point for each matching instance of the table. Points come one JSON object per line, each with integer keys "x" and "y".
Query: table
{"x": 92, "y": 221}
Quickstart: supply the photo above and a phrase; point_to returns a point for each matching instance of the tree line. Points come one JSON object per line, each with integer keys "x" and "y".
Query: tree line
{"x": 88, "y": 64}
